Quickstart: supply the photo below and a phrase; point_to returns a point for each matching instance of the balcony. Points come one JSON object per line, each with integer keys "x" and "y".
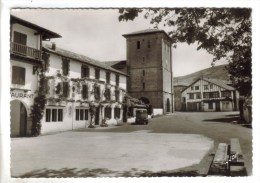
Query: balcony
{"x": 25, "y": 51}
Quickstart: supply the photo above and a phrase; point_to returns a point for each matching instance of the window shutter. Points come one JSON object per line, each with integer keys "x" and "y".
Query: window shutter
{"x": 84, "y": 91}
{"x": 18, "y": 75}
{"x": 65, "y": 89}
{"x": 82, "y": 71}
{"x": 65, "y": 66}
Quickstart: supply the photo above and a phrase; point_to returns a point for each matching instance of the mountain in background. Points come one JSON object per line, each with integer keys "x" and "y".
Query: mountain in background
{"x": 216, "y": 72}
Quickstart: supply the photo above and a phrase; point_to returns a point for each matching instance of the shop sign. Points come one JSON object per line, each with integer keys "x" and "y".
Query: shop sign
{"x": 21, "y": 95}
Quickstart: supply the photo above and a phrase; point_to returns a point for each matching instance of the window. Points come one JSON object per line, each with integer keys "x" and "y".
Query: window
{"x": 117, "y": 92}
{"x": 84, "y": 91}
{"x": 108, "y": 77}
{"x": 226, "y": 94}
{"x": 210, "y": 105}
{"x": 148, "y": 44}
{"x": 60, "y": 114}
{"x": 205, "y": 95}
{"x": 107, "y": 93}
{"x": 191, "y": 95}
{"x": 138, "y": 44}
{"x": 20, "y": 38}
{"x": 18, "y": 75}
{"x": 143, "y": 60}
{"x": 65, "y": 89}
{"x": 117, "y": 80}
{"x": 48, "y": 115}
{"x": 198, "y": 96}
{"x": 197, "y": 87}
{"x": 84, "y": 71}
{"x": 65, "y": 66}
{"x": 81, "y": 114}
{"x": 54, "y": 115}
{"x": 143, "y": 85}
{"x": 117, "y": 112}
{"x": 143, "y": 72}
{"x": 108, "y": 112}
{"x": 192, "y": 88}
{"x": 213, "y": 95}
{"x": 211, "y": 86}
{"x": 206, "y": 87}
{"x": 97, "y": 73}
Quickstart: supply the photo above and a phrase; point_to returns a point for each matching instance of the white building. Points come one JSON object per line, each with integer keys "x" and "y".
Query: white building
{"x": 210, "y": 95}
{"x": 75, "y": 83}
{"x": 25, "y": 56}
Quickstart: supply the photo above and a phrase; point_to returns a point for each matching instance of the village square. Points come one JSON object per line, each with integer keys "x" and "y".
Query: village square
{"x": 76, "y": 116}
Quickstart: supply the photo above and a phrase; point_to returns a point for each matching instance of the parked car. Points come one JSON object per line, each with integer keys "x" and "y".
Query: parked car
{"x": 141, "y": 116}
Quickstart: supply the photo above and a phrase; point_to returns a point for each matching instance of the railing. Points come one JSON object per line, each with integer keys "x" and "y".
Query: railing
{"x": 25, "y": 51}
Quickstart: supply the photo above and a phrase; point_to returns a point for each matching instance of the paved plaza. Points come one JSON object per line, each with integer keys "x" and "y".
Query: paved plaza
{"x": 117, "y": 153}
{"x": 167, "y": 143}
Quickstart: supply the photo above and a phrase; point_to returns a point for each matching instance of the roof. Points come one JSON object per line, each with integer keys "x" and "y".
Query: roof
{"x": 47, "y": 34}
{"x": 218, "y": 82}
{"x": 112, "y": 63}
{"x": 80, "y": 58}
{"x": 146, "y": 31}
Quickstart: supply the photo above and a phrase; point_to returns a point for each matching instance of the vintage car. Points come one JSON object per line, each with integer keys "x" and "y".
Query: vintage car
{"x": 141, "y": 116}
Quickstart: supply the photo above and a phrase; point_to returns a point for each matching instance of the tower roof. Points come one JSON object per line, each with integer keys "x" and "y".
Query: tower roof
{"x": 146, "y": 31}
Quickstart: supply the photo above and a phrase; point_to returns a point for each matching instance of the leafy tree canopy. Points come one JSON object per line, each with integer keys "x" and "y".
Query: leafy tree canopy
{"x": 223, "y": 32}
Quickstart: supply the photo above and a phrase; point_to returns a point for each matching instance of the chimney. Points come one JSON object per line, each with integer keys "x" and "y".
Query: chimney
{"x": 53, "y": 46}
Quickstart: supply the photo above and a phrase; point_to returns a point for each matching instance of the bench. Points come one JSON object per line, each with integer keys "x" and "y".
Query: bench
{"x": 236, "y": 163}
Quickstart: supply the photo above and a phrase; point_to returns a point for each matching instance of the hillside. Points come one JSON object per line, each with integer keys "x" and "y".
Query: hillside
{"x": 216, "y": 72}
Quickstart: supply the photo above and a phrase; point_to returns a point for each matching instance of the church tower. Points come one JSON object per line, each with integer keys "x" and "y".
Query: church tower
{"x": 149, "y": 66}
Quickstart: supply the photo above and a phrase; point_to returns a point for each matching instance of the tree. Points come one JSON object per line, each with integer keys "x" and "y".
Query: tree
{"x": 222, "y": 32}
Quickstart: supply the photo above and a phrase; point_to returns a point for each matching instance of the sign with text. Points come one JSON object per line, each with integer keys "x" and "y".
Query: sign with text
{"x": 15, "y": 94}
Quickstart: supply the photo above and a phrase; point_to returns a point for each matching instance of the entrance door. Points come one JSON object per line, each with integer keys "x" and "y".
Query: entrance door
{"x": 97, "y": 116}
{"x": 217, "y": 106}
{"x": 18, "y": 119}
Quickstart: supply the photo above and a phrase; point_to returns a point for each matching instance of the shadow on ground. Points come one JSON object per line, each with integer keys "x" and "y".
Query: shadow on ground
{"x": 235, "y": 119}
{"x": 103, "y": 172}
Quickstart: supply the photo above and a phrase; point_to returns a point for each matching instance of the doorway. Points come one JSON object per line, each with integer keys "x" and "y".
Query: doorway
{"x": 97, "y": 116}
{"x": 18, "y": 119}
{"x": 218, "y": 106}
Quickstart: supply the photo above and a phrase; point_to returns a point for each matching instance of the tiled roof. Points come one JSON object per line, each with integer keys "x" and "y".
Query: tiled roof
{"x": 81, "y": 58}
{"x": 111, "y": 63}
{"x": 220, "y": 83}
{"x": 146, "y": 31}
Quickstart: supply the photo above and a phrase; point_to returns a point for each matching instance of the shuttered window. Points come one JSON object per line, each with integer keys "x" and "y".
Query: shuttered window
{"x": 108, "y": 77}
{"x": 108, "y": 112}
{"x": 97, "y": 73}
{"x": 84, "y": 91}
{"x": 20, "y": 38}
{"x": 65, "y": 89}
{"x": 84, "y": 71}
{"x": 117, "y": 112}
{"x": 117, "y": 80}
{"x": 65, "y": 66}
{"x": 18, "y": 75}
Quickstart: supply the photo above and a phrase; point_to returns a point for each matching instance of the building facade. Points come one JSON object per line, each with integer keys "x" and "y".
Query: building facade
{"x": 179, "y": 101}
{"x": 75, "y": 84}
{"x": 25, "y": 57}
{"x": 210, "y": 95}
{"x": 149, "y": 66}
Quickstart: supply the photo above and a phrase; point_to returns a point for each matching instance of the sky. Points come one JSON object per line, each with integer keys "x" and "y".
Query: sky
{"x": 97, "y": 33}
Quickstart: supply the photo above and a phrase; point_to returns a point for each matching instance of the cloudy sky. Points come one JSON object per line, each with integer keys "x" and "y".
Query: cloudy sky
{"x": 98, "y": 34}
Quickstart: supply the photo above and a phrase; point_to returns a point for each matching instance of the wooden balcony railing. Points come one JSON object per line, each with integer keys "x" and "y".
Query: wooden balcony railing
{"x": 26, "y": 51}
